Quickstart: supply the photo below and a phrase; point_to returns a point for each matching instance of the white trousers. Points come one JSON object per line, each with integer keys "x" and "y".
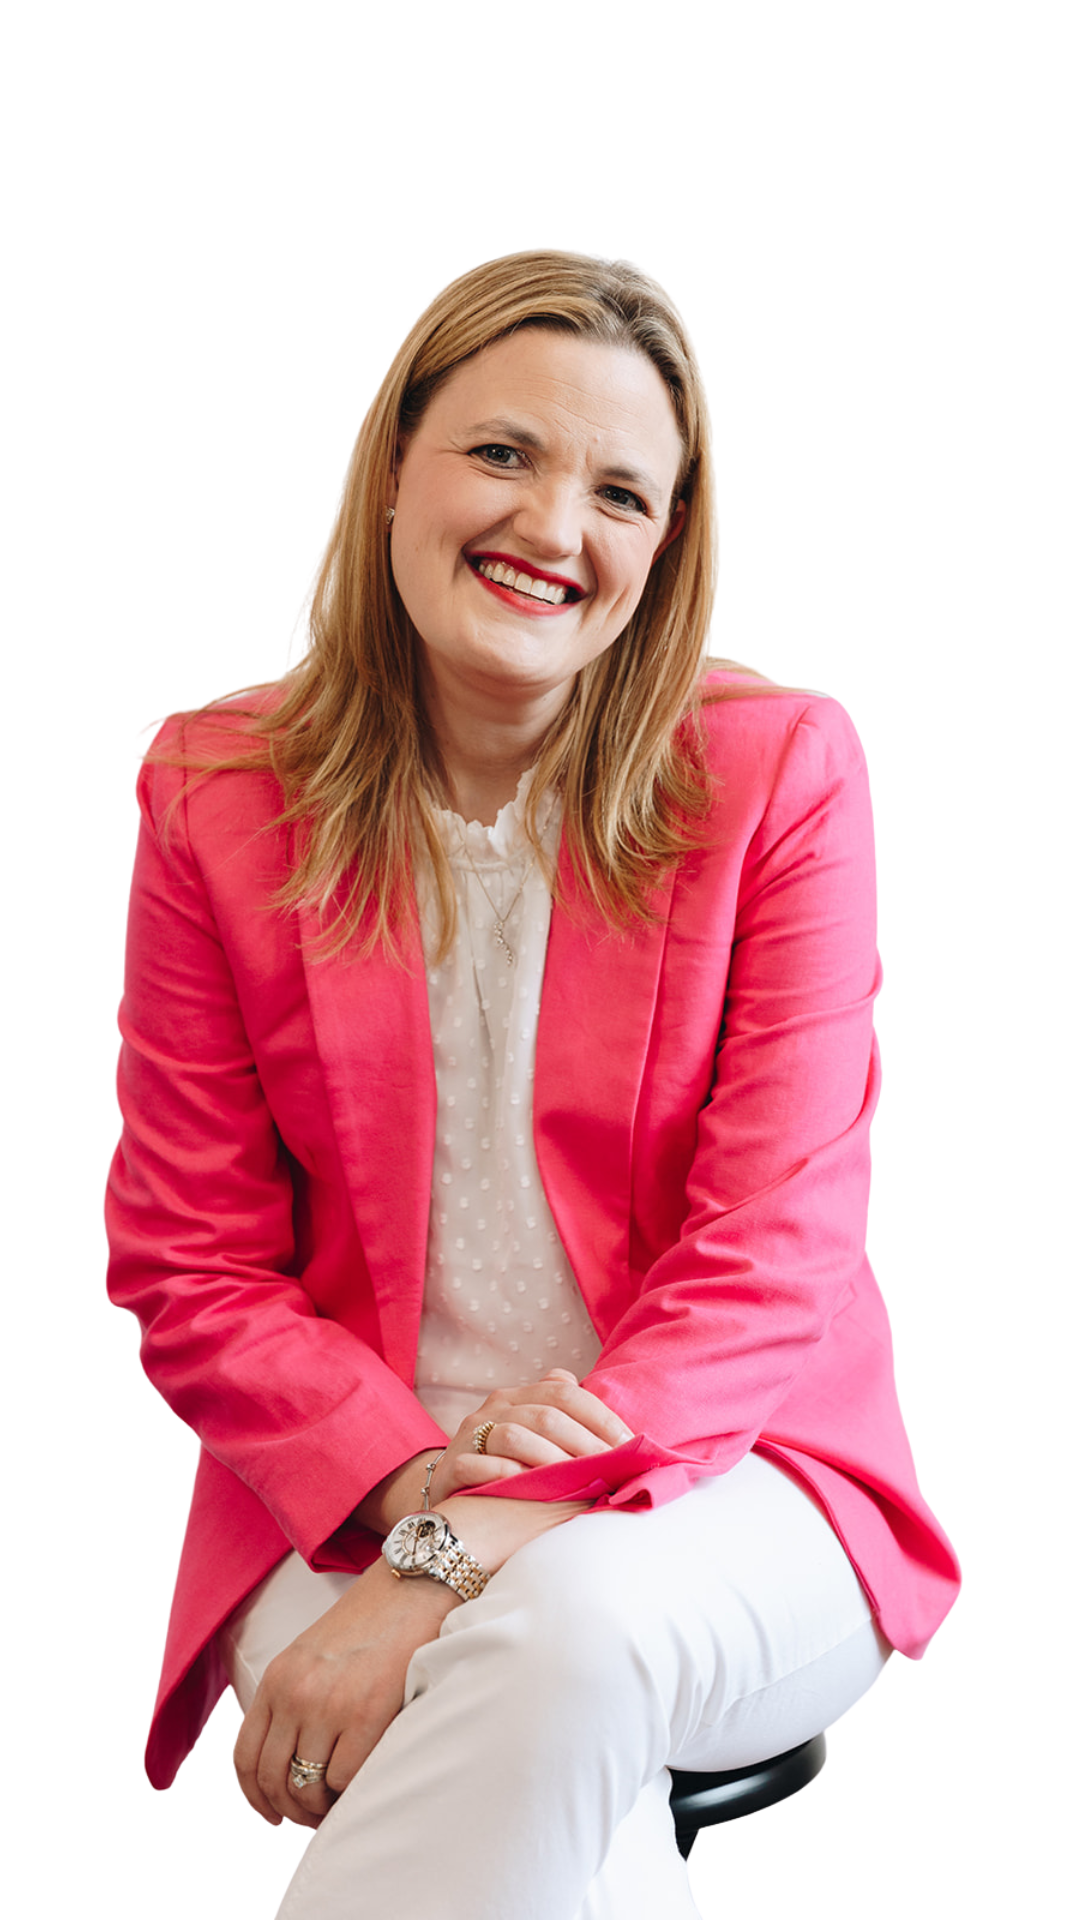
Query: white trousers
{"x": 526, "y": 1777}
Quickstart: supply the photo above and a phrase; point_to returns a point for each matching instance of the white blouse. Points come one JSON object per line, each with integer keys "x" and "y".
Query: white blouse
{"x": 501, "y": 1304}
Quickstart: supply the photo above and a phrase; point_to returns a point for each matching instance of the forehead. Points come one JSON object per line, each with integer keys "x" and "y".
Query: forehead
{"x": 605, "y": 399}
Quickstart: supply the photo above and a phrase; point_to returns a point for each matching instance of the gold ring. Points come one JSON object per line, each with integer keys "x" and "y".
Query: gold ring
{"x": 482, "y": 1436}
{"x": 307, "y": 1773}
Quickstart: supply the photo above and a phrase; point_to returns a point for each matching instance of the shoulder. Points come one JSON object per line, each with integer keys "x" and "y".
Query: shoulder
{"x": 213, "y": 768}
{"x": 189, "y": 736}
{"x": 746, "y": 680}
{"x": 757, "y": 734}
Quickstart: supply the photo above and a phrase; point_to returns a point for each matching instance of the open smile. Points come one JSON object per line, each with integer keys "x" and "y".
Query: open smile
{"x": 504, "y": 575}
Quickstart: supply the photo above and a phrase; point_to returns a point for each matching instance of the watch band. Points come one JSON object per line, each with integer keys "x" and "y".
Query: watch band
{"x": 459, "y": 1570}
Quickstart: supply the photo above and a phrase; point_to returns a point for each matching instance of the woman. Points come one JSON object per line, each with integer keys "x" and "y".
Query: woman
{"x": 497, "y": 1075}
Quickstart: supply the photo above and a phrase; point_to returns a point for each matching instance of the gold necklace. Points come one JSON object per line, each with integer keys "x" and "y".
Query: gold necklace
{"x": 501, "y": 918}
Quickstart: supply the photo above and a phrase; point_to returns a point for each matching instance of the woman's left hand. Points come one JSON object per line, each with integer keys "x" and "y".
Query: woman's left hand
{"x": 553, "y": 1420}
{"x": 332, "y": 1693}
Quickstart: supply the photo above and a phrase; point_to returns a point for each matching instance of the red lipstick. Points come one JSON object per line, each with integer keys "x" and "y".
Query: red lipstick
{"x": 573, "y": 590}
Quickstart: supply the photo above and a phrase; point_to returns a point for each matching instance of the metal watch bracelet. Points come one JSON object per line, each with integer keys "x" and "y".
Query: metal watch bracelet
{"x": 460, "y": 1571}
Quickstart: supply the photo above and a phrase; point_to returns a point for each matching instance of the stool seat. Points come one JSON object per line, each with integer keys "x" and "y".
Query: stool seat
{"x": 705, "y": 1799}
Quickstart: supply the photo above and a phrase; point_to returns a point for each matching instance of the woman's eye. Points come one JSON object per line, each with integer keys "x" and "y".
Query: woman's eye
{"x": 508, "y": 457}
{"x": 626, "y": 501}
{"x": 498, "y": 456}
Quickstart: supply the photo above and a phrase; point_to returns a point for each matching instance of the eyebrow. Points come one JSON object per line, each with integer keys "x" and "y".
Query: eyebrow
{"x": 506, "y": 429}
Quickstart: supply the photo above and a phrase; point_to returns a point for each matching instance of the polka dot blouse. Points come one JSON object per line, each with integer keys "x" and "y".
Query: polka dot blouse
{"x": 501, "y": 1304}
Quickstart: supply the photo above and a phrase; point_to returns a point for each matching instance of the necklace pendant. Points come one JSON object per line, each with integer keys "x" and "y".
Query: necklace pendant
{"x": 502, "y": 941}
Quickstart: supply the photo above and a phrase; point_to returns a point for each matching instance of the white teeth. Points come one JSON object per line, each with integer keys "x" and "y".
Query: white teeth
{"x": 503, "y": 576}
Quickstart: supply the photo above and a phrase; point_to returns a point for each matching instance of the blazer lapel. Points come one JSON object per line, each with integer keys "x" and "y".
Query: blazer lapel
{"x": 373, "y": 1033}
{"x": 596, "y": 1016}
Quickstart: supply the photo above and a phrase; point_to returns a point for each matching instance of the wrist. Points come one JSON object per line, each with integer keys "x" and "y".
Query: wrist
{"x": 399, "y": 1493}
{"x": 492, "y": 1529}
{"x": 416, "y": 1600}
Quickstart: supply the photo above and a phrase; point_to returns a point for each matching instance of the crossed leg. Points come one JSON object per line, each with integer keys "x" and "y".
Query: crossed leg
{"x": 526, "y": 1777}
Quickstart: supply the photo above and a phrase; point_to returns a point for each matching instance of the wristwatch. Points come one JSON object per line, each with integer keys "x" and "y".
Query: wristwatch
{"x": 424, "y": 1543}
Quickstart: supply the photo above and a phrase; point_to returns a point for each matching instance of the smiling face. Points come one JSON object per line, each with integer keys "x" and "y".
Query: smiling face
{"x": 530, "y": 504}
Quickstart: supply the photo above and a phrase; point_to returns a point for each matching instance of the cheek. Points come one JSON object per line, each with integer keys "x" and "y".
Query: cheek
{"x": 628, "y": 573}
{"x": 411, "y": 577}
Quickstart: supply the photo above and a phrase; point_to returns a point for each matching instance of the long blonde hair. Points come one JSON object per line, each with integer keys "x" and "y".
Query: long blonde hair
{"x": 346, "y": 732}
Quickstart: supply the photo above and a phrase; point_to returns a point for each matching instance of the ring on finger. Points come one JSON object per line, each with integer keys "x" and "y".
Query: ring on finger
{"x": 481, "y": 1437}
{"x": 307, "y": 1773}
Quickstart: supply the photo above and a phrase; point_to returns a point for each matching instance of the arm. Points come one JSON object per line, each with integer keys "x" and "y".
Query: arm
{"x": 774, "y": 1236}
{"x": 201, "y": 1204}
{"x": 207, "y": 1244}
{"x": 734, "y": 1308}
{"x": 332, "y": 1693}
{"x": 201, "y": 1198}
{"x": 552, "y": 1421}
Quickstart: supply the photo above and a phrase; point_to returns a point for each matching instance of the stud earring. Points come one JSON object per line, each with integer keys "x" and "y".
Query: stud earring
{"x": 389, "y": 516}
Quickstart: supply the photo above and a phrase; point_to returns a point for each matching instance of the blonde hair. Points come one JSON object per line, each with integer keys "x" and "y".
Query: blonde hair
{"x": 346, "y": 732}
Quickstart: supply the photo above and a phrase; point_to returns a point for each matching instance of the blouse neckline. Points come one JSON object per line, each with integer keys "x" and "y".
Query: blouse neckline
{"x": 506, "y": 840}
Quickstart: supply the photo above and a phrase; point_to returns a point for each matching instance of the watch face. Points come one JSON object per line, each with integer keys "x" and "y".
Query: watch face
{"x": 415, "y": 1541}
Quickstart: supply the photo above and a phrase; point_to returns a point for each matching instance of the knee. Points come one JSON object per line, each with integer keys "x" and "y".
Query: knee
{"x": 583, "y": 1642}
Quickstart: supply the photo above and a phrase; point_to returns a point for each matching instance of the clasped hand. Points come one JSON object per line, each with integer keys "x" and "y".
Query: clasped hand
{"x": 534, "y": 1426}
{"x": 331, "y": 1694}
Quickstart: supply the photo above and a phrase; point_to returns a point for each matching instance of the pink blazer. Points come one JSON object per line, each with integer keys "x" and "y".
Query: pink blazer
{"x": 703, "y": 1096}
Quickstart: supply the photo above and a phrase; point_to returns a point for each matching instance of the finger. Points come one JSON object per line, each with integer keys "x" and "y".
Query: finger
{"x": 246, "y": 1755}
{"x": 479, "y": 1469}
{"x": 266, "y": 1745}
{"x": 311, "y": 1803}
{"x": 540, "y": 1435}
{"x": 522, "y": 1439}
{"x": 592, "y": 1413}
{"x": 537, "y": 1436}
{"x": 575, "y": 1402}
{"x": 298, "y": 1805}
{"x": 461, "y": 1466}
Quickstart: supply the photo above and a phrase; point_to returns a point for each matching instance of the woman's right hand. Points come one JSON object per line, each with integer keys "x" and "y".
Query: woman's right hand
{"x": 534, "y": 1426}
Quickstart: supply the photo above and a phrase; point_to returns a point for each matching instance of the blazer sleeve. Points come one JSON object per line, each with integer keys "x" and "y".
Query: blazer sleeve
{"x": 200, "y": 1211}
{"x": 773, "y": 1236}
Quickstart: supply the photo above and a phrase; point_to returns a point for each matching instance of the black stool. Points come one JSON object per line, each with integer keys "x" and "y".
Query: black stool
{"x": 704, "y": 1799}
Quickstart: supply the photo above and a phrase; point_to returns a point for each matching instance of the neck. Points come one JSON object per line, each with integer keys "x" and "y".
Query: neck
{"x": 485, "y": 752}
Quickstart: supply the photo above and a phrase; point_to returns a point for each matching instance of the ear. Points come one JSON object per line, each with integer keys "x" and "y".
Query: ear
{"x": 675, "y": 527}
{"x": 392, "y": 483}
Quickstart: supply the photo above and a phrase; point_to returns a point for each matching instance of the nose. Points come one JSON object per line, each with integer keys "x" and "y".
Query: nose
{"x": 549, "y": 519}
